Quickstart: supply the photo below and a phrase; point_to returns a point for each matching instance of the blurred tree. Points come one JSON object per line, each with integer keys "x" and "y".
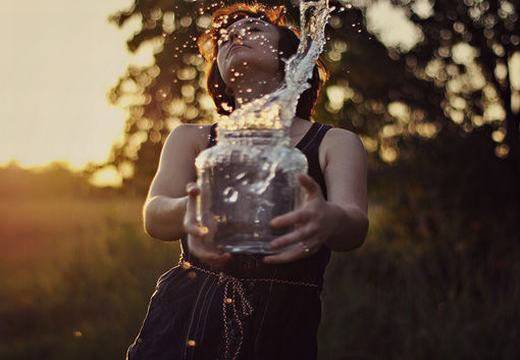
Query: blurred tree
{"x": 471, "y": 49}
{"x": 458, "y": 75}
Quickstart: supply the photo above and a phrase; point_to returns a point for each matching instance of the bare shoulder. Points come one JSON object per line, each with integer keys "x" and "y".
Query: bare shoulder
{"x": 343, "y": 142}
{"x": 336, "y": 134}
{"x": 193, "y": 136}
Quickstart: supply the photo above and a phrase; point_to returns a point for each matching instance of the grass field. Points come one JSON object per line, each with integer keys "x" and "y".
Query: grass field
{"x": 76, "y": 275}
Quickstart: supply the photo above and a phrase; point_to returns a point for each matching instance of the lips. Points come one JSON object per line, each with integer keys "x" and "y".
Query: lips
{"x": 233, "y": 47}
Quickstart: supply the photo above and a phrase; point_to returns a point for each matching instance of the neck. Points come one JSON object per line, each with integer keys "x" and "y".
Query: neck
{"x": 249, "y": 87}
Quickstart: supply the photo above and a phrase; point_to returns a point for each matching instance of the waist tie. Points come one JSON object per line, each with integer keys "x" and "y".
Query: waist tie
{"x": 233, "y": 291}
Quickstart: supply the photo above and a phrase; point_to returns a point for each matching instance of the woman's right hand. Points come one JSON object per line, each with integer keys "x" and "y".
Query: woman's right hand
{"x": 200, "y": 238}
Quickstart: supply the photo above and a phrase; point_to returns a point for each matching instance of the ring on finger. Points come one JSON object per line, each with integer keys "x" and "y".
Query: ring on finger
{"x": 306, "y": 249}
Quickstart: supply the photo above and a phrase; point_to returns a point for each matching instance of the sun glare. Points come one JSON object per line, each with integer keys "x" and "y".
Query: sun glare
{"x": 108, "y": 176}
{"x": 54, "y": 103}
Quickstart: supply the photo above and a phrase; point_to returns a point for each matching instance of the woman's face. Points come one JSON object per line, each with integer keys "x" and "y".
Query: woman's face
{"x": 248, "y": 46}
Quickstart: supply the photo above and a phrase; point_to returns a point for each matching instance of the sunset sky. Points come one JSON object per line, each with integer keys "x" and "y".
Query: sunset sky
{"x": 60, "y": 58}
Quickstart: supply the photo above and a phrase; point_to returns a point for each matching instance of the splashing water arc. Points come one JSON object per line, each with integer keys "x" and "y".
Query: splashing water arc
{"x": 277, "y": 109}
{"x": 250, "y": 177}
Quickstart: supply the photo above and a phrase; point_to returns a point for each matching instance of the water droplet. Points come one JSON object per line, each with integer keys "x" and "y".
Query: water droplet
{"x": 256, "y": 186}
{"x": 220, "y": 218}
{"x": 240, "y": 176}
{"x": 230, "y": 194}
{"x": 191, "y": 342}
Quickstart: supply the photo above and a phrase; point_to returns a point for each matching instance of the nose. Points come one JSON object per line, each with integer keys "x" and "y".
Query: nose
{"x": 234, "y": 34}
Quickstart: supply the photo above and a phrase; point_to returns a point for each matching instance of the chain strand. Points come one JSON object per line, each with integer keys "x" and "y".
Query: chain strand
{"x": 231, "y": 295}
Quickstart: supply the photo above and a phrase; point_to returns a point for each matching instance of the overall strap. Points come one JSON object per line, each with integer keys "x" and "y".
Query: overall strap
{"x": 309, "y": 135}
{"x": 212, "y": 135}
{"x": 312, "y": 151}
{"x": 314, "y": 136}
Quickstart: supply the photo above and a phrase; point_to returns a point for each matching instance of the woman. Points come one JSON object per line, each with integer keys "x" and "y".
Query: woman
{"x": 215, "y": 305}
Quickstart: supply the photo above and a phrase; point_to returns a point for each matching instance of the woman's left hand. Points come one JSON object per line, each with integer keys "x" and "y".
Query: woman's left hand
{"x": 314, "y": 224}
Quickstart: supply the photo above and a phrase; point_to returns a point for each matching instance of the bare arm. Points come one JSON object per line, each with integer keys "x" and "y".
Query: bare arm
{"x": 163, "y": 217}
{"x": 346, "y": 179}
{"x": 165, "y": 205}
{"x": 341, "y": 220}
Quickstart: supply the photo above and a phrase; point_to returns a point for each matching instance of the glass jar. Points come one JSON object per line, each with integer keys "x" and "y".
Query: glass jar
{"x": 248, "y": 178}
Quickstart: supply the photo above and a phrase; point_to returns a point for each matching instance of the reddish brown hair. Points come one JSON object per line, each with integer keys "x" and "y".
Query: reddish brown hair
{"x": 288, "y": 45}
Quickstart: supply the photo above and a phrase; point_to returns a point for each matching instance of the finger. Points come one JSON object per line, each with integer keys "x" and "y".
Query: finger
{"x": 192, "y": 189}
{"x": 202, "y": 233}
{"x": 190, "y": 217}
{"x": 300, "y": 234}
{"x": 191, "y": 208}
{"x": 207, "y": 253}
{"x": 195, "y": 229}
{"x": 293, "y": 217}
{"x": 293, "y": 253}
{"x": 309, "y": 184}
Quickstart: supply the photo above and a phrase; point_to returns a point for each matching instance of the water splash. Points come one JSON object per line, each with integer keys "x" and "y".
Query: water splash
{"x": 277, "y": 109}
{"x": 250, "y": 179}
{"x": 230, "y": 194}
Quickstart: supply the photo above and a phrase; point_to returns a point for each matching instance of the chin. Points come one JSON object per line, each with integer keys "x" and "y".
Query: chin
{"x": 254, "y": 61}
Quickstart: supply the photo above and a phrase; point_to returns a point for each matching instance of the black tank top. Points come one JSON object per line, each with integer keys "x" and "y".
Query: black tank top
{"x": 309, "y": 269}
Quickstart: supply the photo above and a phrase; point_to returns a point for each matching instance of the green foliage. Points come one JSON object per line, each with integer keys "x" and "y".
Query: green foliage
{"x": 458, "y": 75}
{"x": 391, "y": 307}
{"x": 439, "y": 274}
{"x": 76, "y": 276}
